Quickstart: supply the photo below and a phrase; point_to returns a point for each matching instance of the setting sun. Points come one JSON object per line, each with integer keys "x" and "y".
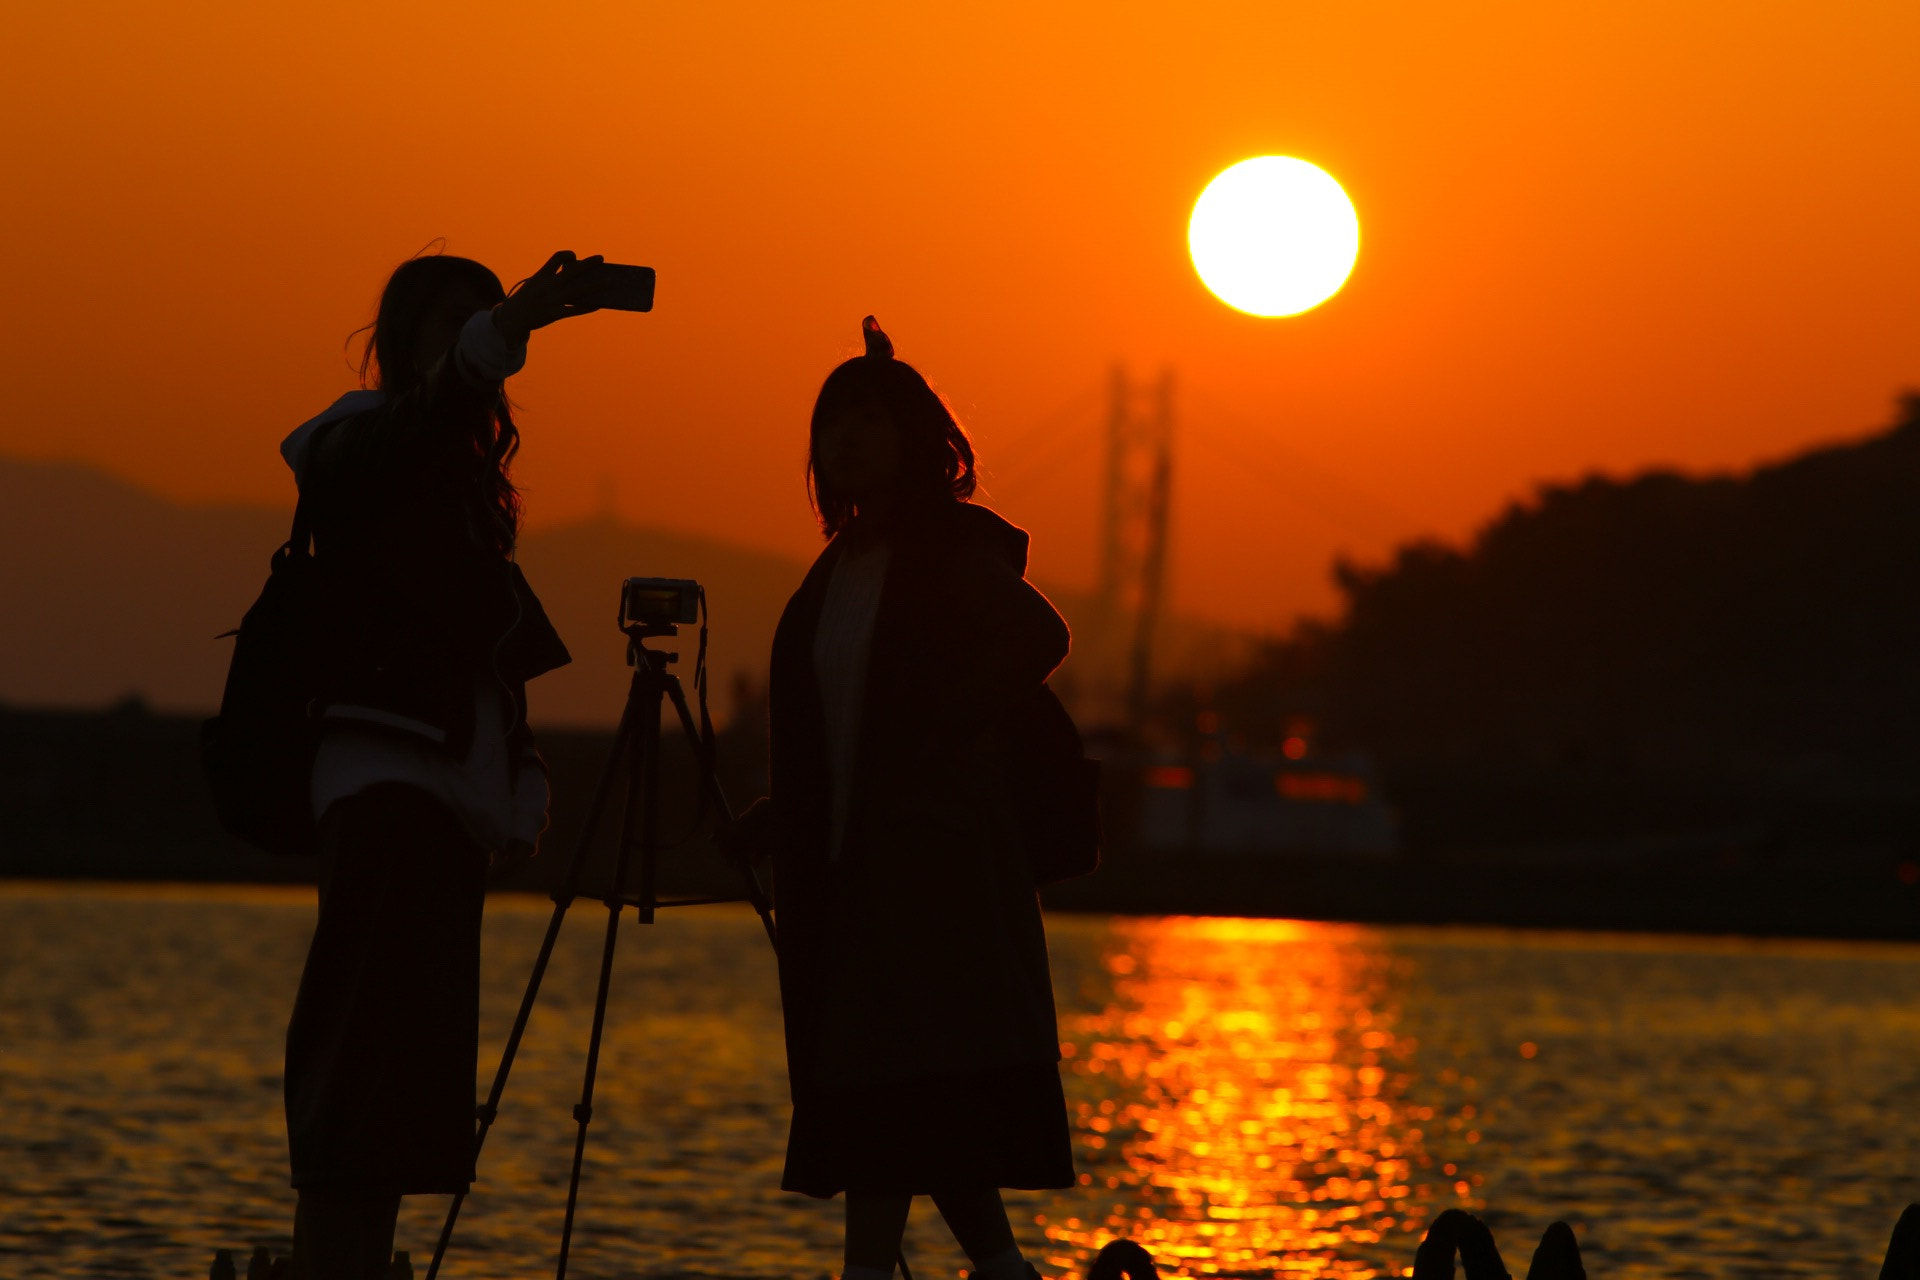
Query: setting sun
{"x": 1274, "y": 236}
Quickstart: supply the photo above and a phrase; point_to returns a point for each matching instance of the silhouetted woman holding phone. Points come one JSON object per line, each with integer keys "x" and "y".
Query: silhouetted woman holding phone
{"x": 921, "y": 1041}
{"x": 425, "y": 767}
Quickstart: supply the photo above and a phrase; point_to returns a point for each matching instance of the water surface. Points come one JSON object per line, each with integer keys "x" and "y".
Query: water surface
{"x": 1249, "y": 1097}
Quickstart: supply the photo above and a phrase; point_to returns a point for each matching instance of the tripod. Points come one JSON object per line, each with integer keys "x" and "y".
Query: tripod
{"x": 637, "y": 746}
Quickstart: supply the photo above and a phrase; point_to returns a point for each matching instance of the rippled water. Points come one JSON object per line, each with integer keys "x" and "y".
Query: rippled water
{"x": 1250, "y": 1097}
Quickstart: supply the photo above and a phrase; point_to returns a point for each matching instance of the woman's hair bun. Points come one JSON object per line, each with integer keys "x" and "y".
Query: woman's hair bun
{"x": 878, "y": 343}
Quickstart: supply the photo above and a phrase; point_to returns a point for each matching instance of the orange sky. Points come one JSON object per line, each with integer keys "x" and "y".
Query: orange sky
{"x": 1601, "y": 236}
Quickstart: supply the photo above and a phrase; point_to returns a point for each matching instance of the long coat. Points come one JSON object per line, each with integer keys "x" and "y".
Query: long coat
{"x": 919, "y": 950}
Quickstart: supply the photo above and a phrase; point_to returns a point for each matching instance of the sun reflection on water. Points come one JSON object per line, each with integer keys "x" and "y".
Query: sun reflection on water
{"x": 1241, "y": 1100}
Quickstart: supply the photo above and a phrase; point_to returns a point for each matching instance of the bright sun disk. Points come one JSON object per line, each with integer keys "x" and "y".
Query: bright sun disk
{"x": 1274, "y": 236}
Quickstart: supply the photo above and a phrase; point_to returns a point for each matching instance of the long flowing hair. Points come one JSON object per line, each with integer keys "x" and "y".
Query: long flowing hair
{"x": 936, "y": 458}
{"x": 392, "y": 362}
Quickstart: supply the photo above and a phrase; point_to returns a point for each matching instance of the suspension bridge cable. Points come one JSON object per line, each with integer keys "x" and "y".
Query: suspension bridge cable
{"x": 1290, "y": 487}
{"x": 1034, "y": 466}
{"x": 1363, "y": 514}
{"x": 1040, "y": 436}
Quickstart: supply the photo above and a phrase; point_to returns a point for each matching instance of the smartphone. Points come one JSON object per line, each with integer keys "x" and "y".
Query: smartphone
{"x": 627, "y": 288}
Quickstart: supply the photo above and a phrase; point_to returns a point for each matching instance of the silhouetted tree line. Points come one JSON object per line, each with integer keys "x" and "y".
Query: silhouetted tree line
{"x": 1765, "y": 627}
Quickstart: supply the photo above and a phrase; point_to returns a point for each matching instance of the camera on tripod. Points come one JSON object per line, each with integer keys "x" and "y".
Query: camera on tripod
{"x": 657, "y": 606}
{"x": 649, "y": 608}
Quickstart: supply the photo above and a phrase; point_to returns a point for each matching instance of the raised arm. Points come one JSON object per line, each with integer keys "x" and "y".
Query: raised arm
{"x": 442, "y": 409}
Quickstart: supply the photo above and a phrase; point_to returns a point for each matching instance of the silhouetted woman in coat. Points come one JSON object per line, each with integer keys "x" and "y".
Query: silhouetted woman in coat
{"x": 425, "y": 768}
{"x": 921, "y": 1042}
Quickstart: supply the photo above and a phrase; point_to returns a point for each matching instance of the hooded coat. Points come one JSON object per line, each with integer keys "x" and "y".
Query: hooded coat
{"x": 918, "y": 951}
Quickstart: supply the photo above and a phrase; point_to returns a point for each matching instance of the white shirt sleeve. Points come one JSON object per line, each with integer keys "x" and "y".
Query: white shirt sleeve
{"x": 484, "y": 353}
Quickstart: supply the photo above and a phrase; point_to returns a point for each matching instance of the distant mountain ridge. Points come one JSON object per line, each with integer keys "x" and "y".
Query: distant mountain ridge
{"x": 109, "y": 591}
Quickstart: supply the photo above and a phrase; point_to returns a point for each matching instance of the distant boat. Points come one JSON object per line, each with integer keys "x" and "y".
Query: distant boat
{"x": 1295, "y": 802}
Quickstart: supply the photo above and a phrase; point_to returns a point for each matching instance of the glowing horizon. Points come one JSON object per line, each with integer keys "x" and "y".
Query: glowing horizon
{"x": 1580, "y": 253}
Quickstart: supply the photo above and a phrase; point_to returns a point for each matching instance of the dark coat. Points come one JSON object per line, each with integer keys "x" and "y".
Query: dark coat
{"x": 920, "y": 950}
{"x": 421, "y": 600}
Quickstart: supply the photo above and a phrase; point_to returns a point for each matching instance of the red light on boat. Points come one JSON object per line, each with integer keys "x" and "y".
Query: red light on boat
{"x": 1337, "y": 788}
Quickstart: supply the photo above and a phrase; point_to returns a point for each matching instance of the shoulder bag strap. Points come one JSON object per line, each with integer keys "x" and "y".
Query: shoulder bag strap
{"x": 300, "y": 538}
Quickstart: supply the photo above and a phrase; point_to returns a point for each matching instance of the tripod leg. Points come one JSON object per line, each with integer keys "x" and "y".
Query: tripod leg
{"x": 562, "y": 899}
{"x": 583, "y": 1113}
{"x": 710, "y": 781}
{"x": 646, "y": 789}
{"x": 643, "y": 761}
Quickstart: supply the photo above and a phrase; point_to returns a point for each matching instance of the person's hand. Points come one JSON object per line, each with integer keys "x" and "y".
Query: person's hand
{"x": 504, "y": 863}
{"x": 750, "y": 837}
{"x": 558, "y": 290}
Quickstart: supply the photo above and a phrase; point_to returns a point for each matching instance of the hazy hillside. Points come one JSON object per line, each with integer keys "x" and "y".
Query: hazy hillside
{"x": 577, "y": 570}
{"x": 108, "y": 591}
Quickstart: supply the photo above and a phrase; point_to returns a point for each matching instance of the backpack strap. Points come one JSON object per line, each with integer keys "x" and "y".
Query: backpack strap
{"x": 300, "y": 537}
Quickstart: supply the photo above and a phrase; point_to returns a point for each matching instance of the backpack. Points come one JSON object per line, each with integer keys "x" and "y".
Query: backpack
{"x": 257, "y": 754}
{"x": 1056, "y": 790}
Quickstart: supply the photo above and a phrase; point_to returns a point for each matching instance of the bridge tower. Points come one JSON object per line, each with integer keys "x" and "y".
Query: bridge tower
{"x": 1133, "y": 551}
